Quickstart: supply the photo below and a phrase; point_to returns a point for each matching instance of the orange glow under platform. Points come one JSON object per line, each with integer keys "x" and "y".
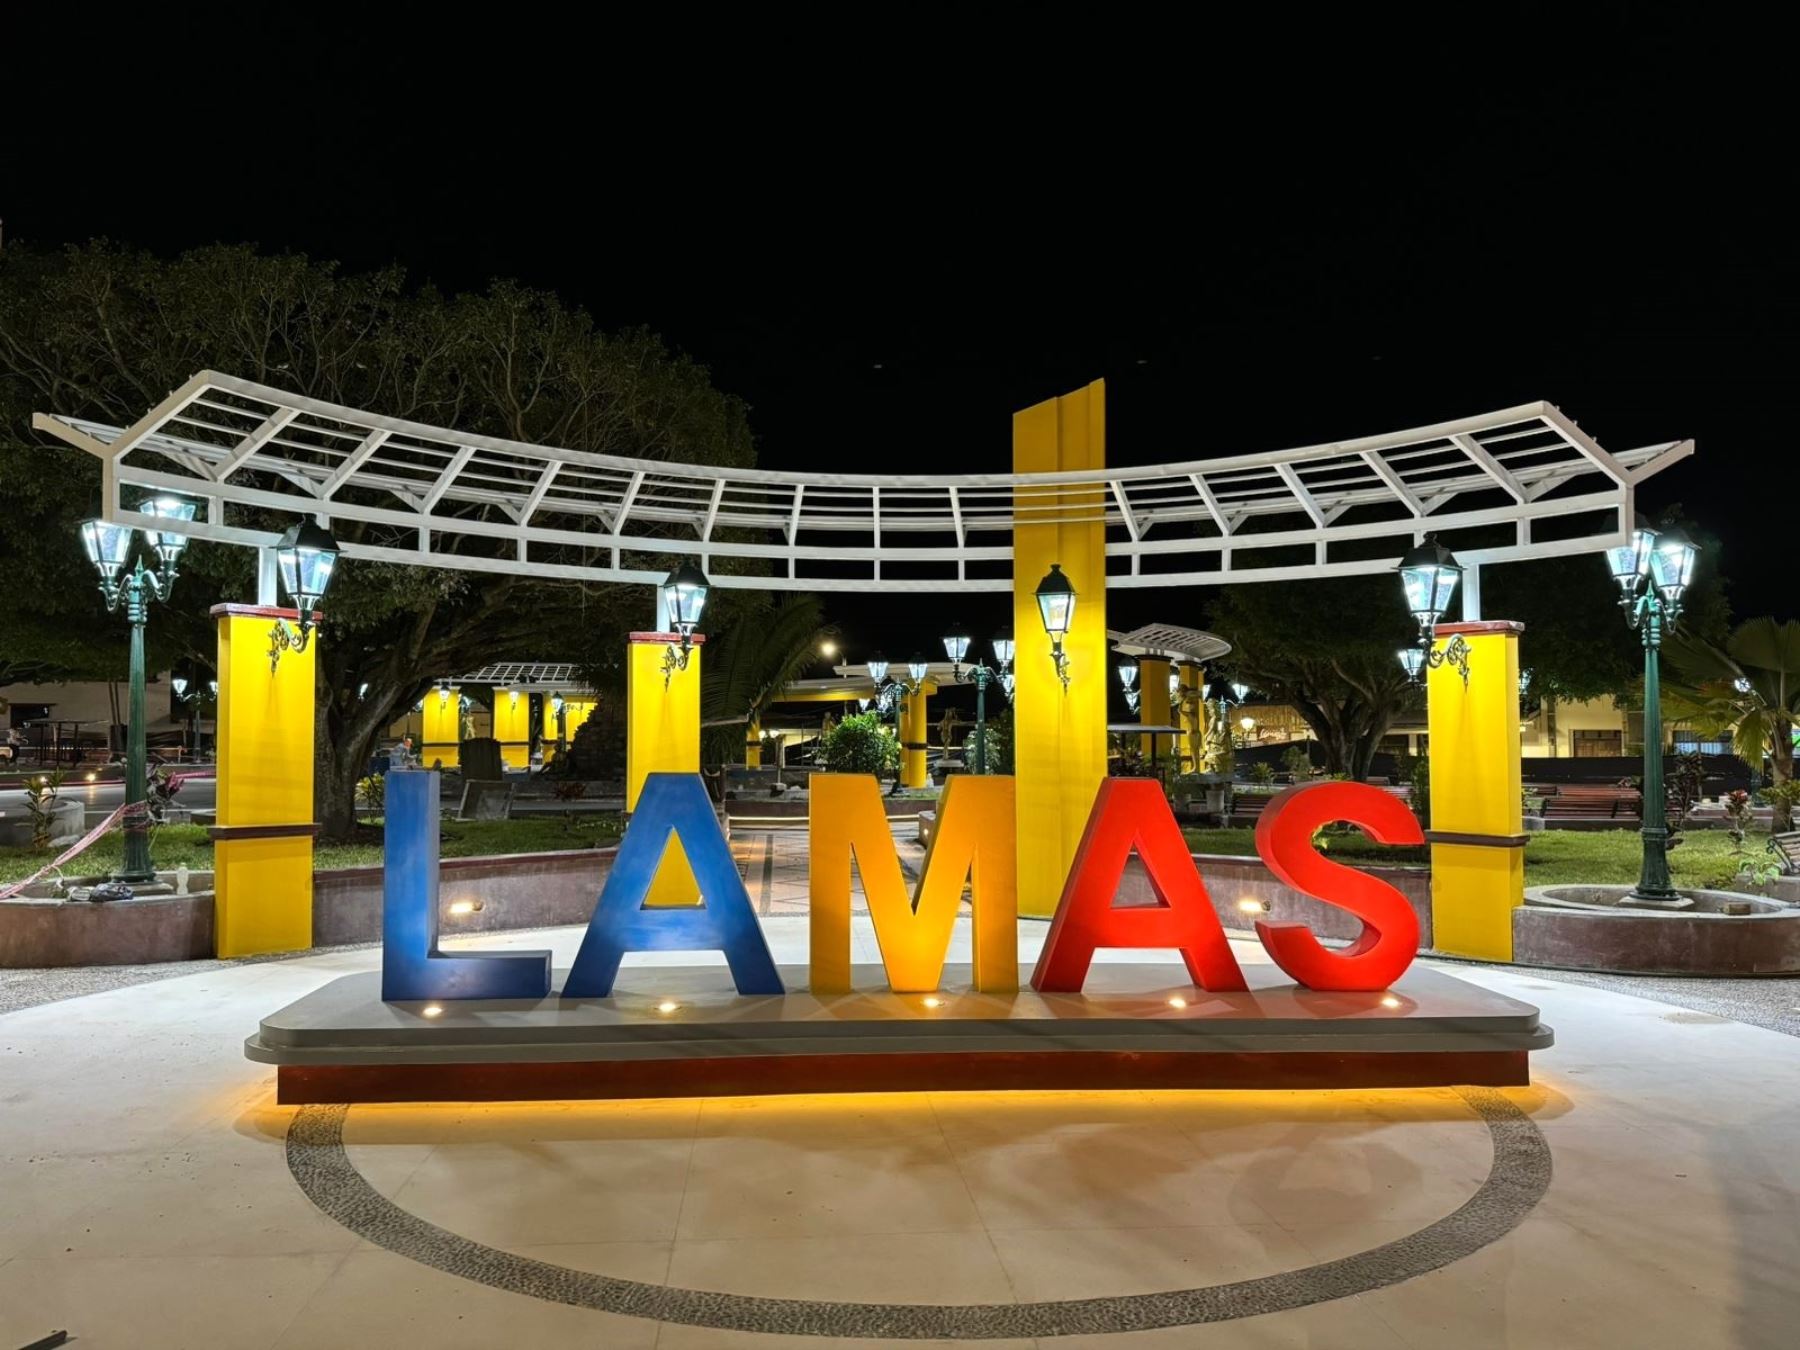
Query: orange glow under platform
{"x": 682, "y": 1031}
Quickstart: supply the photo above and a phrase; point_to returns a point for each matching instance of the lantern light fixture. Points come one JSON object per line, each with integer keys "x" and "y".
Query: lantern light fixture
{"x": 1672, "y": 567}
{"x": 684, "y": 593}
{"x": 1654, "y": 571}
{"x": 1003, "y": 647}
{"x": 305, "y": 560}
{"x": 956, "y": 646}
{"x": 1128, "y": 673}
{"x": 168, "y": 543}
{"x": 1056, "y": 607}
{"x": 1428, "y": 577}
{"x": 1629, "y": 563}
{"x": 108, "y": 547}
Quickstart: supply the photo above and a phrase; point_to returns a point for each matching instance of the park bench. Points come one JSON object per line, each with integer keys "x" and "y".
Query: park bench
{"x": 1247, "y": 806}
{"x": 1589, "y": 805}
{"x": 1787, "y": 844}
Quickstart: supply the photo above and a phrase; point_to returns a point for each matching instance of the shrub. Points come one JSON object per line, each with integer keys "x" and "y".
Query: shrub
{"x": 1262, "y": 772}
{"x": 860, "y": 744}
{"x": 999, "y": 745}
{"x": 40, "y": 804}
{"x": 372, "y": 793}
{"x": 1421, "y": 791}
{"x": 1297, "y": 763}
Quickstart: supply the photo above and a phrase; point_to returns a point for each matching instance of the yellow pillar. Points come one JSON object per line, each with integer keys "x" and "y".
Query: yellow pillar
{"x": 913, "y": 771}
{"x": 1153, "y": 701}
{"x": 1059, "y": 736}
{"x": 1477, "y": 831}
{"x": 512, "y": 726}
{"x": 443, "y": 728}
{"x": 263, "y": 838}
{"x": 753, "y": 744}
{"x": 662, "y": 735}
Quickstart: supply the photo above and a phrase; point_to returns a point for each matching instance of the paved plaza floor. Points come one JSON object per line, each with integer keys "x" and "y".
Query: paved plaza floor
{"x": 1644, "y": 1192}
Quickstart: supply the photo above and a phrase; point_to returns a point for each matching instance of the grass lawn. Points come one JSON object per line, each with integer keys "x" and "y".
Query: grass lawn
{"x": 1704, "y": 858}
{"x": 173, "y": 845}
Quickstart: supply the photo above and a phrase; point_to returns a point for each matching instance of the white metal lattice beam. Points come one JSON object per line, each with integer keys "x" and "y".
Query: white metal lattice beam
{"x": 485, "y": 504}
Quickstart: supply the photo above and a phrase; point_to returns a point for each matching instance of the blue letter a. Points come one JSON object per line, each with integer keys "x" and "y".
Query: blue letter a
{"x": 411, "y": 965}
{"x": 673, "y": 806}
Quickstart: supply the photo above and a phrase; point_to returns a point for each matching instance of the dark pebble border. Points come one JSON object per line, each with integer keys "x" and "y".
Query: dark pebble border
{"x": 1517, "y": 1179}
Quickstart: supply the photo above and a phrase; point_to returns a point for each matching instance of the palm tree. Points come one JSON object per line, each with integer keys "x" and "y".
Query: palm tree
{"x": 763, "y": 645}
{"x": 1750, "y": 687}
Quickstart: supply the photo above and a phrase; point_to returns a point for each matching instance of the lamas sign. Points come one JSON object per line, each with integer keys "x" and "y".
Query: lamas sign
{"x": 973, "y": 844}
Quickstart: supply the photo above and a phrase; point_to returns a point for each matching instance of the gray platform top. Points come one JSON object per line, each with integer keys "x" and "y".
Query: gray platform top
{"x": 1125, "y": 1006}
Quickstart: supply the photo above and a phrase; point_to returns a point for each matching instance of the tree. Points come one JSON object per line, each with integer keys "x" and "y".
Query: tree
{"x": 1749, "y": 687}
{"x": 104, "y": 332}
{"x": 1576, "y": 643}
{"x": 860, "y": 744}
{"x": 1327, "y": 648}
{"x": 760, "y": 646}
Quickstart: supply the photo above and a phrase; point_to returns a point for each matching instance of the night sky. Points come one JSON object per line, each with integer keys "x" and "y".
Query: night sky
{"x": 1256, "y": 248}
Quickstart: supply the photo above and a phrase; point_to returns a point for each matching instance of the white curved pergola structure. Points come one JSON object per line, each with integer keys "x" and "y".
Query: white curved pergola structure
{"x": 1521, "y": 482}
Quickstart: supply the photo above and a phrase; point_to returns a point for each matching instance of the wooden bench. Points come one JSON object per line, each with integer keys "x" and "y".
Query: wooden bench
{"x": 1247, "y": 806}
{"x": 1788, "y": 846}
{"x": 1590, "y": 803}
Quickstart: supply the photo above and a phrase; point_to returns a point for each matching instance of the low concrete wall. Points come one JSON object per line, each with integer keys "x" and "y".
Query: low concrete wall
{"x": 517, "y": 890}
{"x": 514, "y": 890}
{"x": 39, "y": 933}
{"x": 1231, "y": 879}
{"x": 1658, "y": 944}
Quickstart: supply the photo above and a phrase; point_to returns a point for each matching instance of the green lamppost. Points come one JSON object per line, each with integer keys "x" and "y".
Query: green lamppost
{"x": 956, "y": 646}
{"x": 1653, "y": 572}
{"x": 109, "y": 549}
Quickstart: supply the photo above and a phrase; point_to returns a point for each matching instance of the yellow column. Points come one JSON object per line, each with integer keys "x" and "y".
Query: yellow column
{"x": 753, "y": 744}
{"x": 913, "y": 772}
{"x": 662, "y": 735}
{"x": 1153, "y": 701}
{"x": 1059, "y": 736}
{"x": 1477, "y": 831}
{"x": 512, "y": 726}
{"x": 263, "y": 838}
{"x": 443, "y": 729}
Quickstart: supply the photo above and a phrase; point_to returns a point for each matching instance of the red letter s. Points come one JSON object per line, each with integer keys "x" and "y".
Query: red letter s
{"x": 1390, "y": 935}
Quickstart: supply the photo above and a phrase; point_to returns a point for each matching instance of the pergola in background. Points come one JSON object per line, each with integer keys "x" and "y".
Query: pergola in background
{"x": 1166, "y": 642}
{"x": 1520, "y": 483}
{"x": 535, "y": 677}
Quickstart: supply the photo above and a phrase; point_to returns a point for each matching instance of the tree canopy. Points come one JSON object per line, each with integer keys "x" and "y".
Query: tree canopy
{"x": 103, "y": 331}
{"x": 1326, "y": 647}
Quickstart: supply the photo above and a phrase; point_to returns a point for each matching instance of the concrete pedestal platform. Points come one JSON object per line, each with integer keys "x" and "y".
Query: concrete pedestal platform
{"x": 678, "y": 1031}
